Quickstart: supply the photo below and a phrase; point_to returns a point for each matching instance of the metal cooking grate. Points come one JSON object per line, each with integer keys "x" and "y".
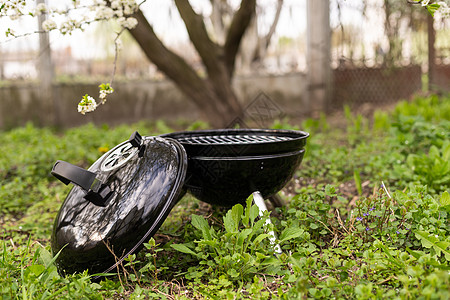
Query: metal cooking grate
{"x": 233, "y": 139}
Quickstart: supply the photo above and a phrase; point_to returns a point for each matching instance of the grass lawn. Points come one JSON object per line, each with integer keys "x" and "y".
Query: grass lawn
{"x": 367, "y": 217}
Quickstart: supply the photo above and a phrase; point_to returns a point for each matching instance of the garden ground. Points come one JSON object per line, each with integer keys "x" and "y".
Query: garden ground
{"x": 366, "y": 217}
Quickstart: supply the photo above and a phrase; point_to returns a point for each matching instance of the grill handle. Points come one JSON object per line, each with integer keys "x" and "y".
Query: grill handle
{"x": 97, "y": 192}
{"x": 67, "y": 173}
{"x": 135, "y": 139}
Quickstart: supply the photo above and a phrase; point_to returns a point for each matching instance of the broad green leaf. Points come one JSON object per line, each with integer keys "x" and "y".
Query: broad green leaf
{"x": 379, "y": 244}
{"x": 411, "y": 159}
{"x": 201, "y": 224}
{"x": 258, "y": 225}
{"x": 443, "y": 245}
{"x": 183, "y": 249}
{"x": 34, "y": 270}
{"x": 415, "y": 254}
{"x": 243, "y": 234}
{"x": 445, "y": 199}
{"x": 429, "y": 240}
{"x": 246, "y": 217}
{"x": 212, "y": 243}
{"x": 434, "y": 152}
{"x": 434, "y": 263}
{"x": 233, "y": 273}
{"x": 254, "y": 213}
{"x": 228, "y": 222}
{"x": 330, "y": 190}
{"x": 260, "y": 256}
{"x": 446, "y": 152}
{"x": 45, "y": 257}
{"x": 232, "y": 218}
{"x": 313, "y": 226}
{"x": 270, "y": 260}
{"x": 237, "y": 212}
{"x": 260, "y": 237}
{"x": 290, "y": 233}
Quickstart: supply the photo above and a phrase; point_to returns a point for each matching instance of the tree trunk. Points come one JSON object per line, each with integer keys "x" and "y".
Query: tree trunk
{"x": 213, "y": 95}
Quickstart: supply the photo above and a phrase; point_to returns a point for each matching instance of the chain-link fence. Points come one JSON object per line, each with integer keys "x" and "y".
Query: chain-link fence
{"x": 381, "y": 51}
{"x": 354, "y": 86}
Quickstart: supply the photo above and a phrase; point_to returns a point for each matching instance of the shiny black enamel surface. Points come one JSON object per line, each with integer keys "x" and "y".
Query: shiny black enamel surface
{"x": 227, "y": 181}
{"x": 296, "y": 141}
{"x": 145, "y": 188}
{"x": 226, "y": 172}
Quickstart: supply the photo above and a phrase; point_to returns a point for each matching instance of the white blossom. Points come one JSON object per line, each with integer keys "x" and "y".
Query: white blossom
{"x": 40, "y": 9}
{"x": 48, "y": 25}
{"x": 87, "y": 104}
{"x": 104, "y": 93}
{"x": 104, "y": 13}
{"x": 115, "y": 4}
{"x": 444, "y": 9}
{"x": 59, "y": 11}
{"x": 129, "y": 23}
{"x": 105, "y": 89}
{"x": 14, "y": 16}
{"x": 118, "y": 43}
{"x": 70, "y": 25}
{"x": 128, "y": 10}
{"x": 100, "y": 2}
{"x": 123, "y": 7}
{"x": 15, "y": 6}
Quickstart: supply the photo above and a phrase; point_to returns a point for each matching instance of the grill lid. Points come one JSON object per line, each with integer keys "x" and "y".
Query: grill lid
{"x": 238, "y": 142}
{"x": 117, "y": 204}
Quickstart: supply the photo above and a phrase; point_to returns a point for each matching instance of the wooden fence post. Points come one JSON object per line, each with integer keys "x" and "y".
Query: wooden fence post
{"x": 45, "y": 71}
{"x": 318, "y": 54}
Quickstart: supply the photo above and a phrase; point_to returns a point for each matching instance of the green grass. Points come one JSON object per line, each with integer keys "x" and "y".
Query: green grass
{"x": 366, "y": 217}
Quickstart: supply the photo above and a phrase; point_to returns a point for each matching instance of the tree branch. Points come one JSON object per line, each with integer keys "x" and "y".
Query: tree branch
{"x": 219, "y": 75}
{"x": 206, "y": 48}
{"x": 239, "y": 24}
{"x": 220, "y": 8}
{"x": 268, "y": 37}
{"x": 167, "y": 61}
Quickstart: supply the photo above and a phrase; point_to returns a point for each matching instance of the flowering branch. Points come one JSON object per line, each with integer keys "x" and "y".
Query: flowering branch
{"x": 101, "y": 10}
{"x": 439, "y": 7}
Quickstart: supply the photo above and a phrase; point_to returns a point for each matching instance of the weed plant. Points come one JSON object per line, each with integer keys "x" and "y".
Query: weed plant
{"x": 368, "y": 218}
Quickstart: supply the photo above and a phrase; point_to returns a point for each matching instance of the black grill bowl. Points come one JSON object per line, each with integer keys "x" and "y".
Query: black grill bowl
{"x": 226, "y": 181}
{"x": 225, "y": 166}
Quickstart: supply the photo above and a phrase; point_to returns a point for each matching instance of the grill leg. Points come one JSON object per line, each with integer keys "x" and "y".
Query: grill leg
{"x": 276, "y": 201}
{"x": 259, "y": 201}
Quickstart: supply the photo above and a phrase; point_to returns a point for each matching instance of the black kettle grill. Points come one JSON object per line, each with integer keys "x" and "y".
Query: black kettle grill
{"x": 125, "y": 196}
